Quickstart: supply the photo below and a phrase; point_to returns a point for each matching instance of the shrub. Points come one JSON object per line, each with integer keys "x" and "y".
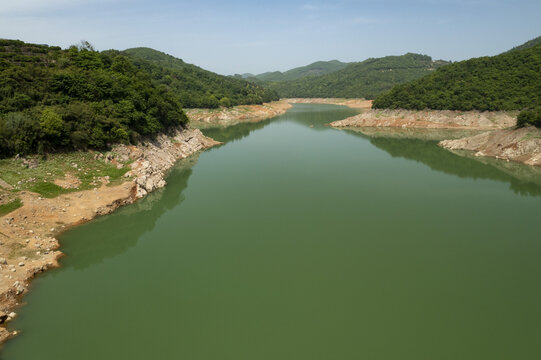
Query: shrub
{"x": 530, "y": 117}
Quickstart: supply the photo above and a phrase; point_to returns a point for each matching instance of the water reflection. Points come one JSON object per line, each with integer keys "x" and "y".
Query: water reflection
{"x": 318, "y": 116}
{"x": 421, "y": 146}
{"x": 310, "y": 115}
{"x": 89, "y": 246}
{"x": 235, "y": 132}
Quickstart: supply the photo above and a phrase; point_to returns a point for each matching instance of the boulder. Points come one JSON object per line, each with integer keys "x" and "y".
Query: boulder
{"x": 3, "y": 317}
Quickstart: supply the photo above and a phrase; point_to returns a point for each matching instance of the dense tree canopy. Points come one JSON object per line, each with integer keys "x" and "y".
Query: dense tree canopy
{"x": 53, "y": 99}
{"x": 510, "y": 81}
{"x": 527, "y": 44}
{"x": 357, "y": 80}
{"x": 77, "y": 98}
{"x": 196, "y": 87}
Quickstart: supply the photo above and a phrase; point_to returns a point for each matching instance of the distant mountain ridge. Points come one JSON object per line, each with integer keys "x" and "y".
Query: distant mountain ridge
{"x": 366, "y": 79}
{"x": 315, "y": 69}
{"x": 196, "y": 87}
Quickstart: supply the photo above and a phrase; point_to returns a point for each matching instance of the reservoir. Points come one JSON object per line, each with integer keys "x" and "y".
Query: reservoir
{"x": 295, "y": 240}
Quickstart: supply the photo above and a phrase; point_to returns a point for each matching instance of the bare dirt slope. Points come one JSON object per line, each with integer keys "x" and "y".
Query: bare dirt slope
{"x": 431, "y": 119}
{"x": 352, "y": 103}
{"x": 521, "y": 145}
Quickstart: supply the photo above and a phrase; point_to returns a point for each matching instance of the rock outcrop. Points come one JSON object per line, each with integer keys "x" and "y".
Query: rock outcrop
{"x": 152, "y": 160}
{"x": 521, "y": 145}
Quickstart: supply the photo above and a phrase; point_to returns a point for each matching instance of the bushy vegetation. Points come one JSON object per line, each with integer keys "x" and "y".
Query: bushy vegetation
{"x": 365, "y": 79}
{"x": 196, "y": 87}
{"x": 510, "y": 81}
{"x": 530, "y": 117}
{"x": 80, "y": 165}
{"x": 78, "y": 98}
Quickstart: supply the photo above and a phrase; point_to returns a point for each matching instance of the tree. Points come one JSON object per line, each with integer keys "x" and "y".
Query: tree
{"x": 51, "y": 124}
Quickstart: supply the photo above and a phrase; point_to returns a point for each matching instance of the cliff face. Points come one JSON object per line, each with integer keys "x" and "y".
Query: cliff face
{"x": 521, "y": 145}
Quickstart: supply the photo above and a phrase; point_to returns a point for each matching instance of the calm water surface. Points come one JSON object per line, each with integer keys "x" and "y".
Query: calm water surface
{"x": 298, "y": 241}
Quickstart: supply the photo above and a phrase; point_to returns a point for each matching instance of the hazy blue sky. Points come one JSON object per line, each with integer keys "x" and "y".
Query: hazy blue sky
{"x": 255, "y": 36}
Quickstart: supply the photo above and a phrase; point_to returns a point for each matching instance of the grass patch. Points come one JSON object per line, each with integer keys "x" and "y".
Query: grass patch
{"x": 10, "y": 206}
{"x": 48, "y": 190}
{"x": 81, "y": 165}
{"x": 17, "y": 250}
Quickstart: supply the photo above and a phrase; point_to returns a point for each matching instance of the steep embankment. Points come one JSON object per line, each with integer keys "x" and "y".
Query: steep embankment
{"x": 27, "y": 242}
{"x": 521, "y": 145}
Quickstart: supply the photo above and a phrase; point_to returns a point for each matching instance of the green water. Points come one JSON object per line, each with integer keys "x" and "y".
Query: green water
{"x": 298, "y": 241}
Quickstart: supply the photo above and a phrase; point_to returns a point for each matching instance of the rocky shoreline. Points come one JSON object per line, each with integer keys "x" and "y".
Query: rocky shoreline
{"x": 222, "y": 117}
{"x": 431, "y": 119}
{"x": 499, "y": 139}
{"x": 520, "y": 145}
{"x": 27, "y": 235}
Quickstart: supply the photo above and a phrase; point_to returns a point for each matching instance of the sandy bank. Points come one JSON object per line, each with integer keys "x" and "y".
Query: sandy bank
{"x": 27, "y": 235}
{"x": 521, "y": 145}
{"x": 207, "y": 118}
{"x": 431, "y": 119}
{"x": 352, "y": 103}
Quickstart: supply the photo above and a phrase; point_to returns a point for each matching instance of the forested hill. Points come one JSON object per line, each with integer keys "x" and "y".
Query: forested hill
{"x": 364, "y": 79}
{"x": 527, "y": 44}
{"x": 510, "y": 81}
{"x": 53, "y": 99}
{"x": 315, "y": 69}
{"x": 196, "y": 87}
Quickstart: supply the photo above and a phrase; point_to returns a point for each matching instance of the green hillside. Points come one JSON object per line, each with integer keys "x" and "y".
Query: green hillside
{"x": 315, "y": 69}
{"x": 510, "y": 81}
{"x": 357, "y": 80}
{"x": 527, "y": 44}
{"x": 196, "y": 87}
{"x": 53, "y": 99}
